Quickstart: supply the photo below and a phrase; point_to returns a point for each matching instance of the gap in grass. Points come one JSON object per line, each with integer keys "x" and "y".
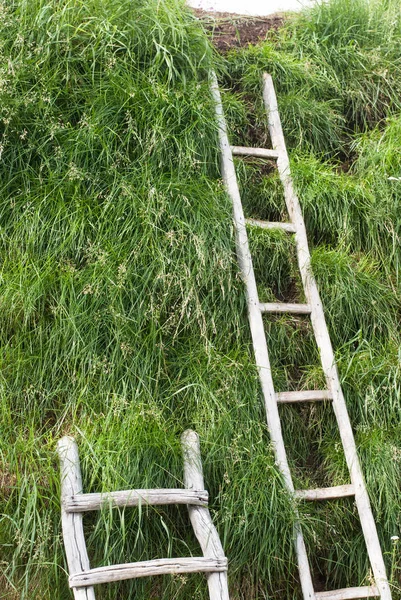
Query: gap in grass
{"x": 262, "y": 193}
{"x": 133, "y": 534}
{"x": 293, "y": 352}
{"x": 335, "y": 545}
{"x": 309, "y": 429}
{"x": 246, "y": 117}
{"x": 275, "y": 264}
{"x": 162, "y": 587}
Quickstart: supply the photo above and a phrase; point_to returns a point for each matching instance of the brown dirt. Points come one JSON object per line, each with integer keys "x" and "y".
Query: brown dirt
{"x": 6, "y": 591}
{"x": 8, "y": 481}
{"x": 233, "y": 31}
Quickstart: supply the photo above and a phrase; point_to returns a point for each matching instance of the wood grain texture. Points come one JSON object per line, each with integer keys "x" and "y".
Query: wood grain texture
{"x": 125, "y": 498}
{"x": 329, "y": 493}
{"x": 201, "y": 520}
{"x": 285, "y": 307}
{"x": 147, "y": 568}
{"x": 304, "y": 396}
{"x": 73, "y": 533}
{"x": 257, "y": 152}
{"x": 288, "y": 227}
{"x": 368, "y": 591}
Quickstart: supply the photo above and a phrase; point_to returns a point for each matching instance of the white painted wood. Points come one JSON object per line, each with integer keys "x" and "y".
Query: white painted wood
{"x": 147, "y": 568}
{"x": 329, "y": 493}
{"x": 73, "y": 533}
{"x": 288, "y": 227}
{"x": 324, "y": 343}
{"x": 201, "y": 520}
{"x": 258, "y": 152}
{"x": 285, "y": 307}
{"x": 304, "y": 396}
{"x": 257, "y": 330}
{"x": 96, "y": 501}
{"x": 367, "y": 591}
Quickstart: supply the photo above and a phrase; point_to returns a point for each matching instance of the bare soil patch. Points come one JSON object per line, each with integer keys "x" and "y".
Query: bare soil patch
{"x": 233, "y": 31}
{"x": 8, "y": 481}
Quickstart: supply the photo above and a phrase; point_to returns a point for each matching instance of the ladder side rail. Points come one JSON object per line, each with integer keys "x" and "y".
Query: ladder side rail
{"x": 200, "y": 518}
{"x": 324, "y": 344}
{"x": 257, "y": 329}
{"x": 72, "y": 523}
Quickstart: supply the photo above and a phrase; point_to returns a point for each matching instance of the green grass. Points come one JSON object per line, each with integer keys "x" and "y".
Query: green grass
{"x": 118, "y": 274}
{"x": 123, "y": 317}
{"x": 336, "y": 70}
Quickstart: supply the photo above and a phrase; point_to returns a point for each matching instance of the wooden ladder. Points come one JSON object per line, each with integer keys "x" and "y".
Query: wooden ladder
{"x": 313, "y": 307}
{"x": 73, "y": 503}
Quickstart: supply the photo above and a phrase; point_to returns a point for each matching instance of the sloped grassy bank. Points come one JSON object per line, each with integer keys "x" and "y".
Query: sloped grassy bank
{"x": 122, "y": 317}
{"x": 122, "y": 314}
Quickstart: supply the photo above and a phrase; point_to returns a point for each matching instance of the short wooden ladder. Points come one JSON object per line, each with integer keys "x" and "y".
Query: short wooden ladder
{"x": 313, "y": 308}
{"x": 74, "y": 503}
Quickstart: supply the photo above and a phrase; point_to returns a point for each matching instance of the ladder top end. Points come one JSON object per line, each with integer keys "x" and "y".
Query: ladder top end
{"x": 189, "y": 437}
{"x": 67, "y": 441}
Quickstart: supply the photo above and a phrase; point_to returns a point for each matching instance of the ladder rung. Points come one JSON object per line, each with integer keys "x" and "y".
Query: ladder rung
{"x": 258, "y": 152}
{"x": 304, "y": 396}
{"x": 147, "y": 568}
{"x": 289, "y": 227}
{"x": 88, "y": 502}
{"x": 285, "y": 307}
{"x": 329, "y": 493}
{"x": 367, "y": 591}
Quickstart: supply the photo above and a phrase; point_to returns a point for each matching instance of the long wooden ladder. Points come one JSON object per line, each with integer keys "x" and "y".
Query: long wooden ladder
{"x": 313, "y": 307}
{"x": 74, "y": 503}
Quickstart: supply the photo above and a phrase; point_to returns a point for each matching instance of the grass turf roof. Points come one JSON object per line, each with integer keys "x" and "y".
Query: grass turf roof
{"x": 123, "y": 317}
